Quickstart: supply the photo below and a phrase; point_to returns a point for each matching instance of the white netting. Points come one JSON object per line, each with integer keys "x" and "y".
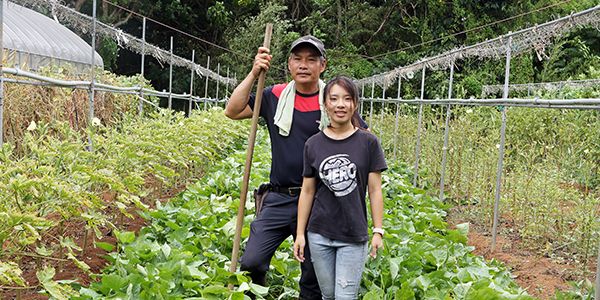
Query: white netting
{"x": 537, "y": 38}
{"x": 84, "y": 24}
{"x": 534, "y": 88}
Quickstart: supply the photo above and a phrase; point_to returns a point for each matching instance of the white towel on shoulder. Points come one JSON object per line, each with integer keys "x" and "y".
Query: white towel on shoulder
{"x": 284, "y": 112}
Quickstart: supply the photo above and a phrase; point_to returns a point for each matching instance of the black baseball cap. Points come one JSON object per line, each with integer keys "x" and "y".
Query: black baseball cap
{"x": 309, "y": 39}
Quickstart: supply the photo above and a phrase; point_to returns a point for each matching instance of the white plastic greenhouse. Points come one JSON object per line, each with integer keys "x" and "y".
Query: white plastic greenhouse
{"x": 32, "y": 41}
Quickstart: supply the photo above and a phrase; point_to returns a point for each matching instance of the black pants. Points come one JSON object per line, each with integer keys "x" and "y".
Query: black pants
{"x": 275, "y": 223}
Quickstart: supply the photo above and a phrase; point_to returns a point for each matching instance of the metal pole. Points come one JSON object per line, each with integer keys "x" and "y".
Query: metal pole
{"x": 597, "y": 292}
{"x": 397, "y": 117}
{"x": 501, "y": 154}
{"x": 217, "y": 97}
{"x": 206, "y": 85}
{"x": 91, "y": 140}
{"x": 141, "y": 106}
{"x": 1, "y": 74}
{"x": 560, "y": 84}
{"x": 446, "y": 131}
{"x": 381, "y": 119}
{"x": 227, "y": 88}
{"x": 416, "y": 175}
{"x": 192, "y": 83}
{"x": 371, "y": 113}
{"x": 362, "y": 104}
{"x": 171, "y": 76}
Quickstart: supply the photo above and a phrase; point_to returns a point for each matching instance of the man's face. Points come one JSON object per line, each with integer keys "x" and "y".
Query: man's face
{"x": 305, "y": 64}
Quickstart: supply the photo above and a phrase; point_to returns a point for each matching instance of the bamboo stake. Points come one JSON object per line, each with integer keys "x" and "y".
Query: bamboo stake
{"x": 61, "y": 249}
{"x": 85, "y": 240}
{"x": 249, "y": 153}
{"x": 38, "y": 259}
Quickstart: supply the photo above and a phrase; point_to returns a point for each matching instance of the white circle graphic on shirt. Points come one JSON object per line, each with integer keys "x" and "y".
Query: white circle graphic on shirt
{"x": 338, "y": 173}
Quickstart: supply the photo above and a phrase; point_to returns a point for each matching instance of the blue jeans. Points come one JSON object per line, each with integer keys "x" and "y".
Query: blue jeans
{"x": 338, "y": 265}
{"x": 275, "y": 223}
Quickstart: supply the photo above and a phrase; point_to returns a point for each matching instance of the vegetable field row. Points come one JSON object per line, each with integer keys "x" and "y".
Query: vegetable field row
{"x": 185, "y": 252}
{"x": 55, "y": 181}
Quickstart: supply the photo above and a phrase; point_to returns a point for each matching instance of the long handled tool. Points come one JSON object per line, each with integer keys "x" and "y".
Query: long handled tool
{"x": 249, "y": 153}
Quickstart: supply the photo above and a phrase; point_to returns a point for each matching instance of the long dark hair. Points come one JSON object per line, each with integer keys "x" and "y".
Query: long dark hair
{"x": 347, "y": 84}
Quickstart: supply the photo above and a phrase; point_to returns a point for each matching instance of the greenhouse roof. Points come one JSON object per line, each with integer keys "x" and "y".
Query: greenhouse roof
{"x": 33, "y": 41}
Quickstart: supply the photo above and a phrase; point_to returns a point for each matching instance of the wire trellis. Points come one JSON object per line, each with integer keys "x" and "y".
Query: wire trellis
{"x": 84, "y": 24}
{"x": 538, "y": 37}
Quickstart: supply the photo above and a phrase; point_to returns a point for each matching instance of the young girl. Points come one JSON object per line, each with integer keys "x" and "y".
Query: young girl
{"x": 339, "y": 163}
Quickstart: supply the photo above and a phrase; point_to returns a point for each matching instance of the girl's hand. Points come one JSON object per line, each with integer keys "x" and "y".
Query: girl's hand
{"x": 376, "y": 243}
{"x": 299, "y": 248}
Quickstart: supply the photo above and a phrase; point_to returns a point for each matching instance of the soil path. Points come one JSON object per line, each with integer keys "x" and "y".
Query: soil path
{"x": 540, "y": 275}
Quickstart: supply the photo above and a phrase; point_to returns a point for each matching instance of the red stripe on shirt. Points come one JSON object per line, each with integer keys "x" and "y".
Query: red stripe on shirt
{"x": 303, "y": 104}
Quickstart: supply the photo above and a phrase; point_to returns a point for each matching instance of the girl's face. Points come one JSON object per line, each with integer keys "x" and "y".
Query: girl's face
{"x": 339, "y": 106}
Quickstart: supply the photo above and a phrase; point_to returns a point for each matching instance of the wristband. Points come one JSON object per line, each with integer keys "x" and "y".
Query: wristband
{"x": 379, "y": 230}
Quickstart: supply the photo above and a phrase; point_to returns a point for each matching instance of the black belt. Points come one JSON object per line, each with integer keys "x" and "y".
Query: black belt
{"x": 292, "y": 191}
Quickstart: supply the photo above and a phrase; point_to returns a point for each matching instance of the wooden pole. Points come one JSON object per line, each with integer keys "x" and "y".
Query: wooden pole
{"x": 249, "y": 153}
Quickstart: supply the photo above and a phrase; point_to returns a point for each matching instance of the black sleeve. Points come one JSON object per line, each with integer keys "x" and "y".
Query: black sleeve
{"x": 308, "y": 171}
{"x": 377, "y": 157}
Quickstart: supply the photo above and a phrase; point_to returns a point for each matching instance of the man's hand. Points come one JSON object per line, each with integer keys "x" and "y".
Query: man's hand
{"x": 238, "y": 102}
{"x": 262, "y": 60}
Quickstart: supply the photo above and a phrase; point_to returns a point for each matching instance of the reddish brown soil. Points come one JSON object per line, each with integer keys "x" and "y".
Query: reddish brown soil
{"x": 93, "y": 254}
{"x": 93, "y": 258}
{"x": 539, "y": 274}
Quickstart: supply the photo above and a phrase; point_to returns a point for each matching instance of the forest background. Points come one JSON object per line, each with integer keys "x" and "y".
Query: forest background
{"x": 362, "y": 38}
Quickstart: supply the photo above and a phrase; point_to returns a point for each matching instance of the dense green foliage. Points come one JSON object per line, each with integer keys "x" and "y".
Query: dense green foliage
{"x": 185, "y": 252}
{"x": 353, "y": 32}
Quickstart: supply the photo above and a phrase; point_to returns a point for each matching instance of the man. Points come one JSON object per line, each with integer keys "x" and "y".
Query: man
{"x": 292, "y": 116}
{"x": 292, "y": 113}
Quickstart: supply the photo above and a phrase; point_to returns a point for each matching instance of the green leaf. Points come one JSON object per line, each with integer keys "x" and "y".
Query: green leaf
{"x": 404, "y": 293}
{"x": 106, "y": 246}
{"x": 194, "y": 272}
{"x": 10, "y": 273}
{"x": 243, "y": 287}
{"x": 166, "y": 250}
{"x": 463, "y": 229}
{"x": 125, "y": 237}
{"x": 173, "y": 225}
{"x": 259, "y": 289}
{"x": 423, "y": 282}
{"x": 45, "y": 275}
{"x": 215, "y": 290}
{"x": 461, "y": 289}
{"x": 394, "y": 269}
{"x": 56, "y": 290}
{"x": 69, "y": 243}
{"x": 372, "y": 295}
{"x": 115, "y": 282}
{"x": 43, "y": 251}
{"x": 80, "y": 264}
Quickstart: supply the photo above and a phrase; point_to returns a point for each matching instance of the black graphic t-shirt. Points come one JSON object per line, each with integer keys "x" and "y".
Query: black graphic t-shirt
{"x": 341, "y": 169}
